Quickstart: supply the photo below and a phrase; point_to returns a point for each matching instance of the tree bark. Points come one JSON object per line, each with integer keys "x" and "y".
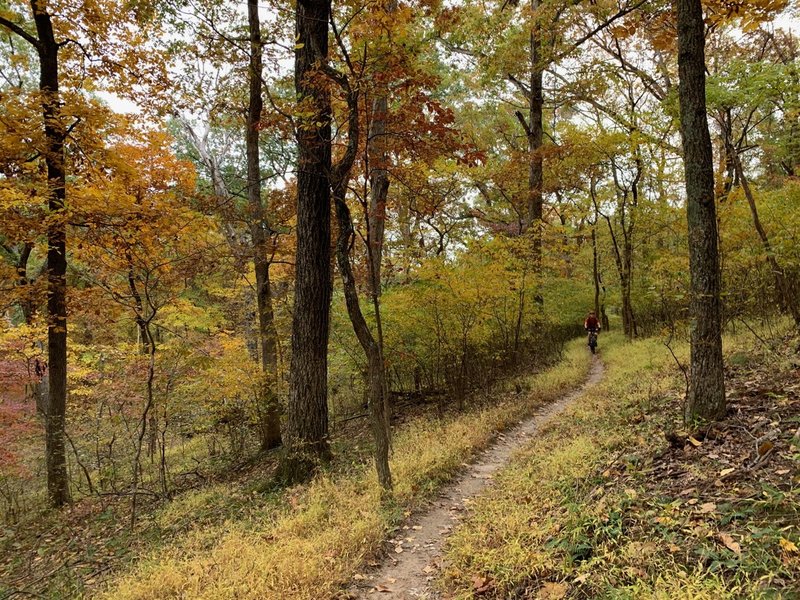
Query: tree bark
{"x": 306, "y": 435}
{"x": 595, "y": 270}
{"x": 535, "y": 135}
{"x": 376, "y": 388}
{"x": 54, "y": 132}
{"x": 26, "y": 303}
{"x": 378, "y": 157}
{"x": 270, "y": 414}
{"x": 706, "y": 397}
{"x": 599, "y": 302}
{"x": 376, "y": 374}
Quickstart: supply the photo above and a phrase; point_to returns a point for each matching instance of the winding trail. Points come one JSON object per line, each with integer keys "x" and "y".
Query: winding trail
{"x": 409, "y": 570}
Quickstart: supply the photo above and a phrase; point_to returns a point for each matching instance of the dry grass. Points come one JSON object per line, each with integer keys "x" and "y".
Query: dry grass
{"x": 310, "y": 543}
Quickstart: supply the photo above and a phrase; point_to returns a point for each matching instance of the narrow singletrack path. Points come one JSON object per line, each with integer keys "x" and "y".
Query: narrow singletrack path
{"x": 410, "y": 568}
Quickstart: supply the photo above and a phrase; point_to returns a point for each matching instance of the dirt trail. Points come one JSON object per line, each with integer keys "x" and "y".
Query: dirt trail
{"x": 409, "y": 570}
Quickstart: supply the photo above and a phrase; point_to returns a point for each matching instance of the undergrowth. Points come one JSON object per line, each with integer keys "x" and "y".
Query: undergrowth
{"x": 601, "y": 505}
{"x": 308, "y": 542}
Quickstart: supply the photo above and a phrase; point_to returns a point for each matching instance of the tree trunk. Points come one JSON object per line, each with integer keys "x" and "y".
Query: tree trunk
{"x": 628, "y": 316}
{"x": 376, "y": 387}
{"x": 376, "y": 375}
{"x": 623, "y": 262}
{"x": 57, "y": 481}
{"x": 306, "y": 438}
{"x": 138, "y": 307}
{"x": 26, "y": 303}
{"x": 629, "y": 228}
{"x": 599, "y": 303}
{"x": 270, "y": 416}
{"x": 378, "y": 156}
{"x": 143, "y": 421}
{"x": 706, "y": 397}
{"x": 595, "y": 270}
{"x": 535, "y": 139}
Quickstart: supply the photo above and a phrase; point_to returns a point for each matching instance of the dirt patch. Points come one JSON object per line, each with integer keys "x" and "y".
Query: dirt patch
{"x": 414, "y": 556}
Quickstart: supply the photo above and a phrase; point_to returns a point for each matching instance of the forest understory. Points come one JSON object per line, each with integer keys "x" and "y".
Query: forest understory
{"x": 618, "y": 499}
{"x": 98, "y": 541}
{"x": 614, "y": 498}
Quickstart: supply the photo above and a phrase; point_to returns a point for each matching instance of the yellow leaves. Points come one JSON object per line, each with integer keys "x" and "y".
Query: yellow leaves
{"x": 694, "y": 442}
{"x": 183, "y": 314}
{"x": 788, "y": 546}
{"x": 750, "y": 13}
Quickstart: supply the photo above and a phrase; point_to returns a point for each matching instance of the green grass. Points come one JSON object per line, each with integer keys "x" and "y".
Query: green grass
{"x": 580, "y": 513}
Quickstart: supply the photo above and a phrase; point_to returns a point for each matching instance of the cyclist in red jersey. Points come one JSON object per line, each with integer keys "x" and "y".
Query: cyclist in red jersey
{"x": 592, "y": 327}
{"x": 591, "y": 323}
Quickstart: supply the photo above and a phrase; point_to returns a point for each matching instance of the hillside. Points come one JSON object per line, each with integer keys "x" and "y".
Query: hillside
{"x": 295, "y": 298}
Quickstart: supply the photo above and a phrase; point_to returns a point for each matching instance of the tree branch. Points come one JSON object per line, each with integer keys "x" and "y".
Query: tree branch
{"x": 522, "y": 121}
{"x": 520, "y": 86}
{"x": 625, "y": 11}
{"x": 13, "y": 27}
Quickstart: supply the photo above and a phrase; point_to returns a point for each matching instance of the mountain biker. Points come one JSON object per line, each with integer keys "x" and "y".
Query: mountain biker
{"x": 591, "y": 325}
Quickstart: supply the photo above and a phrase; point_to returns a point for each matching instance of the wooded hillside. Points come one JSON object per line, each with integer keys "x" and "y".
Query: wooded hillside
{"x": 248, "y": 249}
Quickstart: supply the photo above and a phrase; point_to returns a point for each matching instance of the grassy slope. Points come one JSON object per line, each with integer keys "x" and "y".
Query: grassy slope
{"x": 310, "y": 541}
{"x": 600, "y": 507}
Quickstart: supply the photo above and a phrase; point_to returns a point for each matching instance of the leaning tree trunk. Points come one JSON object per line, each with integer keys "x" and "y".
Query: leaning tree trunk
{"x": 378, "y": 158}
{"x": 376, "y": 375}
{"x": 706, "y": 397}
{"x": 306, "y": 434}
{"x": 376, "y": 383}
{"x": 269, "y": 413}
{"x": 57, "y": 481}
{"x": 787, "y": 300}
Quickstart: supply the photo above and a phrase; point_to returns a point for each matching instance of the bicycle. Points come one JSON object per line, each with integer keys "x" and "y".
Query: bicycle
{"x": 593, "y": 340}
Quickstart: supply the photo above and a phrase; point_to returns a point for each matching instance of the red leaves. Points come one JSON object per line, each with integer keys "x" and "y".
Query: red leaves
{"x": 17, "y": 422}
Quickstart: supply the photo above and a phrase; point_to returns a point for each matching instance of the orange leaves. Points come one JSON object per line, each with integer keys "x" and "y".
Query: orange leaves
{"x": 750, "y": 13}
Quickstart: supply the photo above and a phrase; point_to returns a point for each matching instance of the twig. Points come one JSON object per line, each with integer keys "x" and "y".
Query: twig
{"x": 758, "y": 337}
{"x": 80, "y": 462}
{"x": 668, "y": 344}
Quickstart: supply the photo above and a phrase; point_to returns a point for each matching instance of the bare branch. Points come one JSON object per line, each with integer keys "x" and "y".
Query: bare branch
{"x": 522, "y": 121}
{"x": 13, "y": 27}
